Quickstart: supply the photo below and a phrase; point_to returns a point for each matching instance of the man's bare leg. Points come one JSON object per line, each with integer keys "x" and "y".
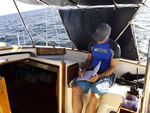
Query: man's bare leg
{"x": 93, "y": 104}
{"x": 77, "y": 102}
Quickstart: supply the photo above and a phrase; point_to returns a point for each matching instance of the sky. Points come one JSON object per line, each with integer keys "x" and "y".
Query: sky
{"x": 8, "y": 7}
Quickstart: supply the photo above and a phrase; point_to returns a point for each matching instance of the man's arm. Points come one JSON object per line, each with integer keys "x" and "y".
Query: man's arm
{"x": 109, "y": 71}
{"x": 86, "y": 65}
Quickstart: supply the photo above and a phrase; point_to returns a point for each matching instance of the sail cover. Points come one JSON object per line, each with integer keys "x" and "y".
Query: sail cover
{"x": 80, "y": 2}
{"x": 81, "y": 23}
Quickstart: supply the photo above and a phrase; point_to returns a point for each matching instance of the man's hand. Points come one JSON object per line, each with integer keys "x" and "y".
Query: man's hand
{"x": 94, "y": 78}
{"x": 81, "y": 72}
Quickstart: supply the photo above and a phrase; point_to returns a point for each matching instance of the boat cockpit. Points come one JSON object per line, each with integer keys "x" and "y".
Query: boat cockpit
{"x": 38, "y": 79}
{"x": 41, "y": 83}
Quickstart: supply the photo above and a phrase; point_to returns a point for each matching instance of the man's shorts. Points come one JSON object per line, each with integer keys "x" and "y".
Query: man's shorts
{"x": 101, "y": 86}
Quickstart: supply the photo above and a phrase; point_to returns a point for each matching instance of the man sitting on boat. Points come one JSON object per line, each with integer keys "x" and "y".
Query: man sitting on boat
{"x": 108, "y": 52}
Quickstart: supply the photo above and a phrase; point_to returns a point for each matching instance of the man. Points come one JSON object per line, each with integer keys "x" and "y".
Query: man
{"x": 107, "y": 51}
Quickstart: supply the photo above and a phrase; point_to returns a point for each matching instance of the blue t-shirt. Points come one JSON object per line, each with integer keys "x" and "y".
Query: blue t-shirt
{"x": 104, "y": 52}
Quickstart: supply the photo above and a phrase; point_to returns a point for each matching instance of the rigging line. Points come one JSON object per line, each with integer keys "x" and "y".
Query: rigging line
{"x": 18, "y": 39}
{"x": 24, "y": 24}
{"x": 72, "y": 44}
{"x": 41, "y": 36}
{"x": 123, "y": 31}
{"x": 145, "y": 5}
{"x": 115, "y": 4}
{"x": 55, "y": 26}
{"x": 74, "y": 3}
{"x": 135, "y": 43}
{"x": 43, "y": 2}
{"x": 141, "y": 6}
{"x": 144, "y": 2}
{"x": 129, "y": 23}
{"x": 23, "y": 36}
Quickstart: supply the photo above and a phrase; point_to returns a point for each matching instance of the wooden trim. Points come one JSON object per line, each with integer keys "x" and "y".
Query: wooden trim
{"x": 10, "y": 62}
{"x": 124, "y": 110}
{"x": 4, "y": 101}
{"x": 57, "y": 90}
{"x": 41, "y": 65}
{"x": 51, "y": 51}
{"x": 17, "y": 47}
{"x": 82, "y": 51}
{"x": 72, "y": 72}
{"x": 63, "y": 85}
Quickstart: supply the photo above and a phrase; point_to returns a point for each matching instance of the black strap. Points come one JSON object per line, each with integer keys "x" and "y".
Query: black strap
{"x": 121, "y": 81}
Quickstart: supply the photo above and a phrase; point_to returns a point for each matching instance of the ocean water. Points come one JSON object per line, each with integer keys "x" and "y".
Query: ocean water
{"x": 142, "y": 30}
{"x": 47, "y": 23}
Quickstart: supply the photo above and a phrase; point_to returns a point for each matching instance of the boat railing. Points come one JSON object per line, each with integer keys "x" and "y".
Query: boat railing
{"x": 21, "y": 39}
{"x": 28, "y": 29}
{"x": 146, "y": 92}
{"x": 12, "y": 39}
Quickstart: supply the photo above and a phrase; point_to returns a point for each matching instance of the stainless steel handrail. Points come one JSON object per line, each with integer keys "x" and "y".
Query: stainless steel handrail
{"x": 19, "y": 35}
{"x": 145, "y": 104}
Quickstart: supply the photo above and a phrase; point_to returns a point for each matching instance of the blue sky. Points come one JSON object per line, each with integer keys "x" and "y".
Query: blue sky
{"x": 8, "y": 7}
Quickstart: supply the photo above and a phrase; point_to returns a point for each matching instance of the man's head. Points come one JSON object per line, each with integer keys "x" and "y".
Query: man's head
{"x": 102, "y": 32}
